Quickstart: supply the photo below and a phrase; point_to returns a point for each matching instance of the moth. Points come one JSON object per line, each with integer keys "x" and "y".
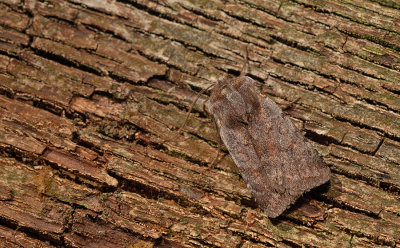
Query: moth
{"x": 275, "y": 160}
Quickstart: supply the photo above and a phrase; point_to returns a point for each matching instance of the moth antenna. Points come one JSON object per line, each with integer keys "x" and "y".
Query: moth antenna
{"x": 245, "y": 65}
{"x": 191, "y": 108}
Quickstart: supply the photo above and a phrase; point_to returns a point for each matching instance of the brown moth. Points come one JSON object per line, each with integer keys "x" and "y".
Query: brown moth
{"x": 275, "y": 160}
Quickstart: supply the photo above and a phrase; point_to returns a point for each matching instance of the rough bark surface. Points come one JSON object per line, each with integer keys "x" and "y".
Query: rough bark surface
{"x": 92, "y": 94}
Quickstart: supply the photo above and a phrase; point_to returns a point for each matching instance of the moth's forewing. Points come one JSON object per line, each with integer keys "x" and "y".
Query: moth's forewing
{"x": 274, "y": 158}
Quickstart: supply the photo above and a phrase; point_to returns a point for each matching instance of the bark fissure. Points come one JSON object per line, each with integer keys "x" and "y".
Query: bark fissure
{"x": 93, "y": 93}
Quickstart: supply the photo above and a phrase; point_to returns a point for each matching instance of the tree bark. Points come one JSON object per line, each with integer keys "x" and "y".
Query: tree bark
{"x": 93, "y": 93}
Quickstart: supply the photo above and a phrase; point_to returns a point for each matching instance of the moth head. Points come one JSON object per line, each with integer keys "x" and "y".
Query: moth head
{"x": 234, "y": 101}
{"x": 227, "y": 88}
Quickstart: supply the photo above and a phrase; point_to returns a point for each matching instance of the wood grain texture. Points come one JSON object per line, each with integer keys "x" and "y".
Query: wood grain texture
{"x": 91, "y": 90}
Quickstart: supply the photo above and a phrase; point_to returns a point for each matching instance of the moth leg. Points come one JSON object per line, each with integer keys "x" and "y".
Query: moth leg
{"x": 205, "y": 109}
{"x": 245, "y": 65}
{"x": 215, "y": 160}
{"x": 291, "y": 104}
{"x": 207, "y": 113}
{"x": 190, "y": 110}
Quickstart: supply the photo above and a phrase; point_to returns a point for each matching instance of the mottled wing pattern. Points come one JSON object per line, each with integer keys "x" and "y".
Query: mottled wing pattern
{"x": 274, "y": 158}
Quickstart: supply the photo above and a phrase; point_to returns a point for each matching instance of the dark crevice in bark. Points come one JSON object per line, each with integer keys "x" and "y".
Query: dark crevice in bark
{"x": 173, "y": 20}
{"x": 102, "y": 220}
{"x": 386, "y": 186}
{"x": 387, "y": 3}
{"x": 152, "y": 11}
{"x": 291, "y": 43}
{"x": 164, "y": 242}
{"x": 295, "y": 44}
{"x": 305, "y": 87}
{"x": 182, "y": 107}
{"x": 320, "y": 10}
{"x": 120, "y": 79}
{"x": 262, "y": 9}
{"x": 212, "y": 143}
{"x": 221, "y": 32}
{"x": 200, "y": 13}
{"x": 178, "y": 102}
{"x": 320, "y": 139}
{"x": 243, "y": 19}
{"x": 71, "y": 204}
{"x": 114, "y": 96}
{"x": 374, "y": 238}
{"x": 164, "y": 62}
{"x": 348, "y": 207}
{"x": 246, "y": 237}
{"x": 86, "y": 7}
{"x": 285, "y": 42}
{"x": 291, "y": 243}
{"x": 372, "y": 39}
{"x": 182, "y": 42}
{"x": 64, "y": 61}
{"x": 155, "y": 193}
{"x": 53, "y": 108}
{"x": 76, "y": 138}
{"x": 63, "y": 21}
{"x": 326, "y": 141}
{"x": 380, "y": 105}
{"x": 397, "y": 92}
{"x": 363, "y": 58}
{"x": 81, "y": 179}
{"x": 20, "y": 155}
{"x": 178, "y": 154}
{"x": 68, "y": 227}
{"x": 6, "y": 92}
{"x": 145, "y": 188}
{"x": 10, "y": 55}
{"x": 359, "y": 71}
{"x": 50, "y": 107}
{"x": 35, "y": 160}
{"x": 365, "y": 9}
{"x": 364, "y": 126}
{"x": 32, "y": 232}
{"x": 290, "y": 21}
{"x": 99, "y": 29}
{"x": 381, "y": 42}
{"x": 330, "y": 77}
{"x": 249, "y": 202}
{"x": 203, "y": 243}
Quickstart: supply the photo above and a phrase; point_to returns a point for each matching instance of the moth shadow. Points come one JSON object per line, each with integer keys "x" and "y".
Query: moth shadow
{"x": 305, "y": 205}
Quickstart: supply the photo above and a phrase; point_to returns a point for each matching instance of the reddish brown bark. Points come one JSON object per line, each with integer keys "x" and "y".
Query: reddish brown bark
{"x": 92, "y": 95}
